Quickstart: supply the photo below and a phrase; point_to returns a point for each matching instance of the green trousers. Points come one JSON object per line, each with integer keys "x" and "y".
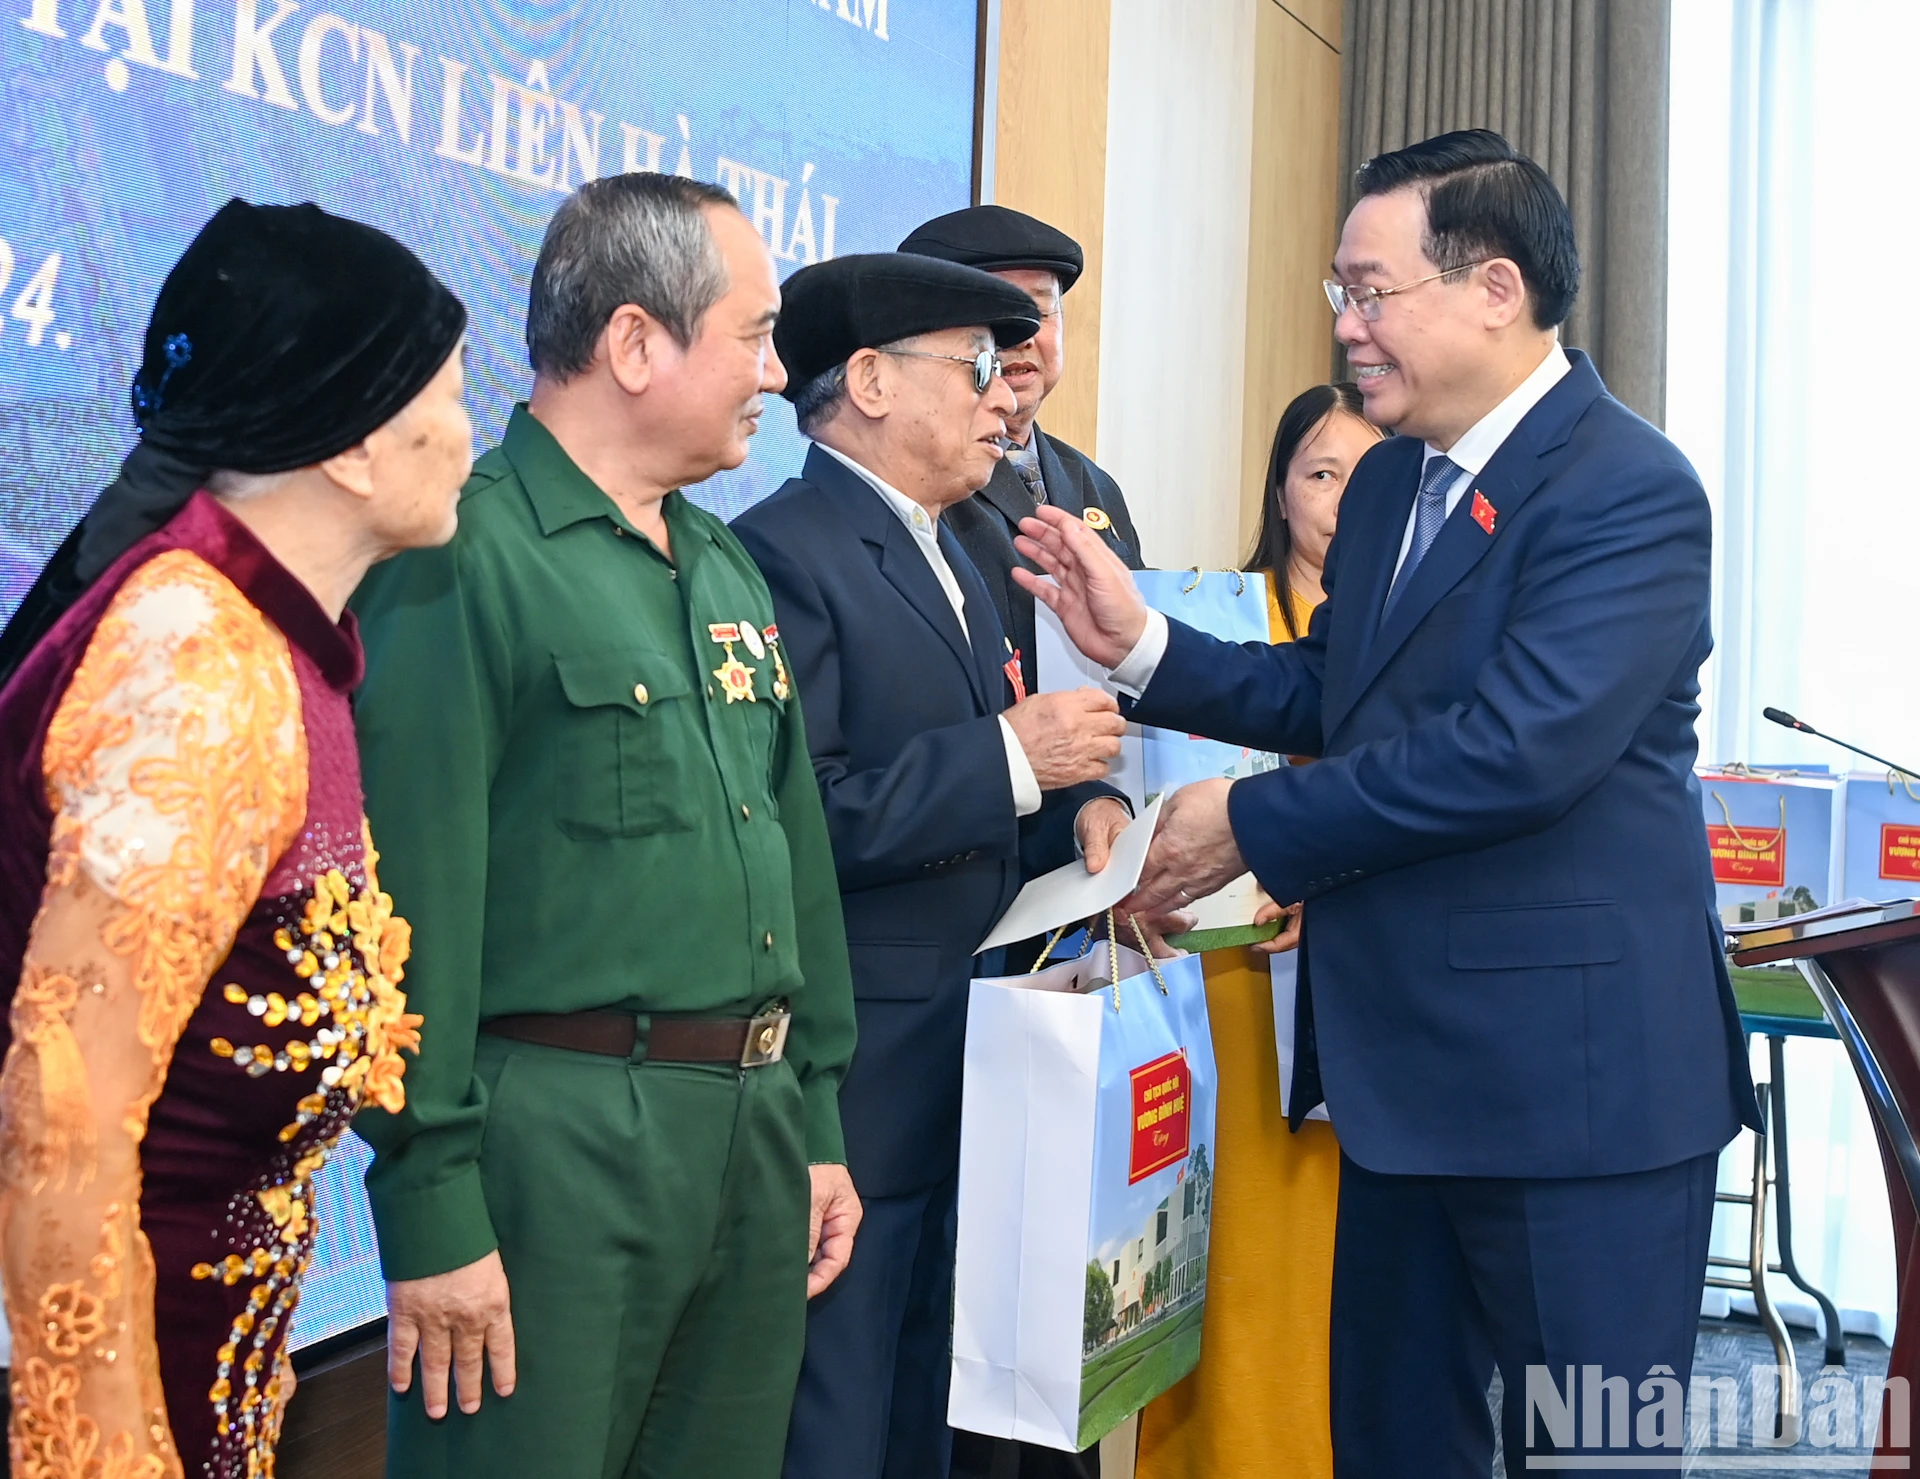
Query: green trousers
{"x": 653, "y": 1223}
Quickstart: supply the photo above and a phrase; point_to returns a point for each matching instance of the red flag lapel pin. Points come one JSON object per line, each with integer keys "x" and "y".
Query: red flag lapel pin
{"x": 1483, "y": 513}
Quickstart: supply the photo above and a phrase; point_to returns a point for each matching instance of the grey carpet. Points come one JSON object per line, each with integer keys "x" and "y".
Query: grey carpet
{"x": 1733, "y": 1348}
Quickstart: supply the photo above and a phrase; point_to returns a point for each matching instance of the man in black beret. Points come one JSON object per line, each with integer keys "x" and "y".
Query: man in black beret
{"x": 941, "y": 794}
{"x": 1044, "y": 263}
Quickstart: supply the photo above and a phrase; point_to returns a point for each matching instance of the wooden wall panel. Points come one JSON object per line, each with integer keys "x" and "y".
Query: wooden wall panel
{"x": 1294, "y": 225}
{"x": 1050, "y": 160}
{"x": 1322, "y": 17}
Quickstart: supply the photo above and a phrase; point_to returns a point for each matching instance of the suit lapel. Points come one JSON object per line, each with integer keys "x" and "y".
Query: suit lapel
{"x": 1063, "y": 488}
{"x": 1385, "y": 482}
{"x": 990, "y": 649}
{"x": 909, "y": 573}
{"x": 1070, "y": 488}
{"x": 1513, "y": 475}
{"x": 1007, "y": 495}
{"x": 898, "y": 557}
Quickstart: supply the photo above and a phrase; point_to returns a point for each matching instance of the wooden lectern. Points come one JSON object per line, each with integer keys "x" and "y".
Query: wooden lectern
{"x": 1865, "y": 968}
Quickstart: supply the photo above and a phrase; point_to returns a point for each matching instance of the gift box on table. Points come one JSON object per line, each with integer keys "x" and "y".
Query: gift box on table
{"x": 1777, "y": 840}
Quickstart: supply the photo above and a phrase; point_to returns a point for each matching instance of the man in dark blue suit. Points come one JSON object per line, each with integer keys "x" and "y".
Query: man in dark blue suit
{"x": 1511, "y": 969}
{"x": 939, "y": 797}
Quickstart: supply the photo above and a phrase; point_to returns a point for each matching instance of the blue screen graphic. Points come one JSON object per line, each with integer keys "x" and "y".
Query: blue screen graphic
{"x": 343, "y": 1287}
{"x": 838, "y": 124}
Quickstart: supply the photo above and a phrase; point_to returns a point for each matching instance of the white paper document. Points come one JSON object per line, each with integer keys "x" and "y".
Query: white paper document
{"x": 1072, "y": 893}
{"x": 1232, "y": 905}
{"x": 1832, "y": 911}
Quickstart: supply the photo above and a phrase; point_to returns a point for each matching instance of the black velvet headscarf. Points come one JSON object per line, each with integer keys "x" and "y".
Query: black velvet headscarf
{"x": 283, "y": 336}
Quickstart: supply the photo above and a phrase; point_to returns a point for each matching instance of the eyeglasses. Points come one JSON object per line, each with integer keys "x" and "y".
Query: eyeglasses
{"x": 1366, "y": 301}
{"x": 986, "y": 364}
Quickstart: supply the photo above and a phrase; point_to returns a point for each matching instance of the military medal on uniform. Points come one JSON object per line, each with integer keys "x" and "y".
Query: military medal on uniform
{"x": 781, "y": 688}
{"x": 736, "y": 678}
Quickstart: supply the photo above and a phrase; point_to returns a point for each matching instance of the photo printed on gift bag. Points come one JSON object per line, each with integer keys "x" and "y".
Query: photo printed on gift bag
{"x": 1152, "y": 1197}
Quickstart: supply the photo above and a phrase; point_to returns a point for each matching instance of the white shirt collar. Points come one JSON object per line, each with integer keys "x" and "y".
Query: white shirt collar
{"x": 918, "y": 521}
{"x": 1475, "y": 449}
{"x": 920, "y": 524}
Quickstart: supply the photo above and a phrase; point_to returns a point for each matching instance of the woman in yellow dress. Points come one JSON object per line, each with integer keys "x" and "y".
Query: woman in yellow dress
{"x": 1257, "y": 1403}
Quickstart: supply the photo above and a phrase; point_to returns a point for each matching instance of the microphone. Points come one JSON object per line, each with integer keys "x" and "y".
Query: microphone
{"x": 1786, "y": 720}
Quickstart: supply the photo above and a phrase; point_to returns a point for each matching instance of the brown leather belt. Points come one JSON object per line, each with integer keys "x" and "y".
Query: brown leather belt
{"x": 748, "y": 1042}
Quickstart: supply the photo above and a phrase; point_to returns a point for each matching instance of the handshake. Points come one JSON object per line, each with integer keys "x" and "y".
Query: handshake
{"x": 1068, "y": 737}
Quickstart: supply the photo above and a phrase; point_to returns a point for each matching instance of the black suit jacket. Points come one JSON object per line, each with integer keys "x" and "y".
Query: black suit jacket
{"x": 901, "y": 712}
{"x": 986, "y": 523}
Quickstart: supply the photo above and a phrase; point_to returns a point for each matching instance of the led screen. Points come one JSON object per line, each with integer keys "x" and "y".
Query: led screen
{"x": 839, "y": 124}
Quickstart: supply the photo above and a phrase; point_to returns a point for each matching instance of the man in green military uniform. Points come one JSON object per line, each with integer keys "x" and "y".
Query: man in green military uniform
{"x": 585, "y": 762}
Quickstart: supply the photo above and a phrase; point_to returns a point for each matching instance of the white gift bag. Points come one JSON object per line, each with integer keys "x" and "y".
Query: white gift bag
{"x": 1286, "y": 989}
{"x": 1086, "y": 1180}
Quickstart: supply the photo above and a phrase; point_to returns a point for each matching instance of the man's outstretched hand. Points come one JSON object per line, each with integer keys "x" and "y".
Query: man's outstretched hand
{"x": 1092, "y": 592}
{"x": 1193, "y": 853}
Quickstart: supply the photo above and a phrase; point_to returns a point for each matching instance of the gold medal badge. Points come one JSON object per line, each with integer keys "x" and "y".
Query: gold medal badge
{"x": 1096, "y": 518}
{"x": 736, "y": 678}
{"x": 781, "y": 688}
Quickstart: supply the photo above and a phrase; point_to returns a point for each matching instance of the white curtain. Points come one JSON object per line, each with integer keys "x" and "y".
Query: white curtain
{"x": 1792, "y": 309}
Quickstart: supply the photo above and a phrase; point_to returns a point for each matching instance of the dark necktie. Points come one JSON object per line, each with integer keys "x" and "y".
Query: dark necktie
{"x": 1026, "y": 462}
{"x": 1429, "y": 513}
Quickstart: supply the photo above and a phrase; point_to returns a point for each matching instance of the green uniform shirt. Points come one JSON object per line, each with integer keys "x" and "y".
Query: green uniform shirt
{"x": 573, "y": 815}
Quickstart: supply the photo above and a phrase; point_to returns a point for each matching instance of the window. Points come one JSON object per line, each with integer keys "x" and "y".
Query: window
{"x": 1788, "y": 310}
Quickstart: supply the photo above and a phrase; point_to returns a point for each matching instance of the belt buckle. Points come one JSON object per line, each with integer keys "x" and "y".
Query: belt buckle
{"x": 766, "y": 1037}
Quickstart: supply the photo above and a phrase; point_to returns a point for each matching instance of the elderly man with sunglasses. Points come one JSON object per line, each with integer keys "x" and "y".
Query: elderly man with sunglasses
{"x": 941, "y": 794}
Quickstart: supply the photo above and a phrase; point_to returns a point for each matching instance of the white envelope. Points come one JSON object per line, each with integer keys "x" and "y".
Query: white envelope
{"x": 1072, "y": 893}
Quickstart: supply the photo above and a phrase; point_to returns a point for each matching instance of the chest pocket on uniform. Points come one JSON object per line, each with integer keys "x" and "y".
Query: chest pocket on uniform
{"x": 764, "y": 727}
{"x": 619, "y": 769}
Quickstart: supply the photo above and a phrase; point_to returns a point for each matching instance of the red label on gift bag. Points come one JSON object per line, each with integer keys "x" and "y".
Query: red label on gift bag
{"x": 1755, "y": 855}
{"x": 1160, "y": 1116}
{"x": 1900, "y": 852}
